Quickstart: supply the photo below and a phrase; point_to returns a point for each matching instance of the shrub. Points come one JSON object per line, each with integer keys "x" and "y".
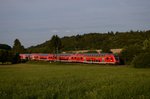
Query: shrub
{"x": 130, "y": 52}
{"x": 5, "y": 56}
{"x": 142, "y": 60}
{"x": 16, "y": 59}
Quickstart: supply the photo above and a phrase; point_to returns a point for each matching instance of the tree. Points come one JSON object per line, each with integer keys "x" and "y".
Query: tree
{"x": 130, "y": 52}
{"x": 92, "y": 41}
{"x": 5, "y": 47}
{"x": 142, "y": 60}
{"x": 3, "y": 56}
{"x": 106, "y": 48}
{"x": 18, "y": 48}
{"x": 146, "y": 45}
{"x": 56, "y": 43}
{"x": 5, "y": 53}
{"x": 16, "y": 58}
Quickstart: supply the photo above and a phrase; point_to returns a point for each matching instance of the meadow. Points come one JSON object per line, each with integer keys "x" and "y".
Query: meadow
{"x": 73, "y": 81}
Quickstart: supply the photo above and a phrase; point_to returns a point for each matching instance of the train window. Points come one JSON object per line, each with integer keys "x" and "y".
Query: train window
{"x": 107, "y": 58}
{"x": 111, "y": 58}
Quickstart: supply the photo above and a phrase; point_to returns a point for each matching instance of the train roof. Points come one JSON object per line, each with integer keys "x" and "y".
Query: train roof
{"x": 45, "y": 54}
{"x": 97, "y": 54}
{"x": 67, "y": 54}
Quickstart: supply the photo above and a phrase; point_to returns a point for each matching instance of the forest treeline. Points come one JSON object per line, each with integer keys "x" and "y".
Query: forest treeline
{"x": 10, "y": 55}
{"x": 135, "y": 46}
{"x": 93, "y": 41}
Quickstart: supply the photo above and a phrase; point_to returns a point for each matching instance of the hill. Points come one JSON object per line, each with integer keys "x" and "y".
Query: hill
{"x": 95, "y": 41}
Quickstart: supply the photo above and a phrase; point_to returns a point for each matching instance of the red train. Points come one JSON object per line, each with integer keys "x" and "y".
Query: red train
{"x": 105, "y": 58}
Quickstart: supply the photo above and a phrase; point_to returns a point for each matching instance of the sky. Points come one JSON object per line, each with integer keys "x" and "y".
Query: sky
{"x": 35, "y": 21}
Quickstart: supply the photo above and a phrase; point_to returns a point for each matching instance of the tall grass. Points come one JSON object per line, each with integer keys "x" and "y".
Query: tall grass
{"x": 73, "y": 81}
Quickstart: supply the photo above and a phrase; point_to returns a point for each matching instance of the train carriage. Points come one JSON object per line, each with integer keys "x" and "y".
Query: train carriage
{"x": 34, "y": 57}
{"x": 24, "y": 56}
{"x": 77, "y": 58}
{"x": 62, "y": 57}
{"x": 104, "y": 58}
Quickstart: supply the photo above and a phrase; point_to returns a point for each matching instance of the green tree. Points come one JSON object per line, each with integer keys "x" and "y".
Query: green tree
{"x": 3, "y": 56}
{"x": 146, "y": 45}
{"x": 5, "y": 53}
{"x": 142, "y": 60}
{"x": 5, "y": 47}
{"x": 18, "y": 48}
{"x": 130, "y": 52}
{"x": 16, "y": 59}
{"x": 10, "y": 56}
{"x": 106, "y": 48}
{"x": 56, "y": 43}
{"x": 92, "y": 41}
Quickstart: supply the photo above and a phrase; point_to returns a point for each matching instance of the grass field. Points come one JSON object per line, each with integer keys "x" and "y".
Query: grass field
{"x": 73, "y": 81}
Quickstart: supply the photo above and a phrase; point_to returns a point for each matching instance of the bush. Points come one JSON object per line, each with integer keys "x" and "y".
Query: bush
{"x": 142, "y": 60}
{"x": 130, "y": 52}
{"x": 5, "y": 56}
{"x": 16, "y": 59}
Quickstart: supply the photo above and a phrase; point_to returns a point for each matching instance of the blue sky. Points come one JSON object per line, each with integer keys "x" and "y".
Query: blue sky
{"x": 35, "y": 21}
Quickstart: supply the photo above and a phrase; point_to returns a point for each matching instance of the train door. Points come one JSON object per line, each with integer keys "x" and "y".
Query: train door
{"x": 103, "y": 59}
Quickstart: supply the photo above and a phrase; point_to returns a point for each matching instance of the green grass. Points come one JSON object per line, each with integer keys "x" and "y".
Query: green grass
{"x": 73, "y": 81}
